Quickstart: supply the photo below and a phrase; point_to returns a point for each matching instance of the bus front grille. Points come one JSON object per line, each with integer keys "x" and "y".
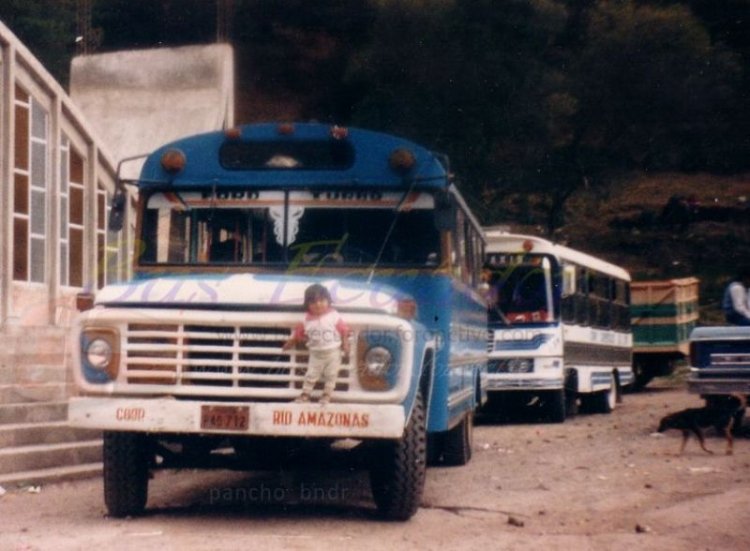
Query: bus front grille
{"x": 215, "y": 356}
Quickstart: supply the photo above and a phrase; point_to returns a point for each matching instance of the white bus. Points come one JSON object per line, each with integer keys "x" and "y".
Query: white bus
{"x": 559, "y": 327}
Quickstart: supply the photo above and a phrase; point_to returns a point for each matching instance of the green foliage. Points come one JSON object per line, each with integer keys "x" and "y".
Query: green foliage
{"x": 300, "y": 48}
{"x": 467, "y": 77}
{"x": 47, "y": 28}
{"x": 543, "y": 96}
{"x": 131, "y": 24}
{"x": 653, "y": 87}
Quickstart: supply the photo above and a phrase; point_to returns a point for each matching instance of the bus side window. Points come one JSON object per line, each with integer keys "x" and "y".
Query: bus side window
{"x": 460, "y": 260}
{"x": 605, "y": 316}
{"x": 596, "y": 302}
{"x": 600, "y": 301}
{"x": 466, "y": 252}
{"x": 568, "y": 293}
{"x": 476, "y": 269}
{"x": 582, "y": 299}
{"x": 622, "y": 305}
{"x": 477, "y": 248}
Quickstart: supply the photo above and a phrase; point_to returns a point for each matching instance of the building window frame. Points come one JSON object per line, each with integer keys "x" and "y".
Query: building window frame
{"x": 31, "y": 180}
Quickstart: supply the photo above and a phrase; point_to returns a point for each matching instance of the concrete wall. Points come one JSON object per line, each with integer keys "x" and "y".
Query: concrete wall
{"x": 139, "y": 100}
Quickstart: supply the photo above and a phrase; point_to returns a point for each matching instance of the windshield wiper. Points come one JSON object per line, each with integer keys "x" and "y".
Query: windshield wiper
{"x": 397, "y": 210}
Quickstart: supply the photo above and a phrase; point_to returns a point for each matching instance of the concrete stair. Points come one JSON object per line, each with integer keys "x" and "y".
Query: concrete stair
{"x": 36, "y": 444}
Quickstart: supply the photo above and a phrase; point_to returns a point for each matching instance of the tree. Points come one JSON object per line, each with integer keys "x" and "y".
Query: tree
{"x": 301, "y": 49}
{"x": 468, "y": 78}
{"x": 132, "y": 24}
{"x": 653, "y": 91}
{"x": 530, "y": 96}
{"x": 641, "y": 87}
{"x": 47, "y": 28}
{"x": 726, "y": 23}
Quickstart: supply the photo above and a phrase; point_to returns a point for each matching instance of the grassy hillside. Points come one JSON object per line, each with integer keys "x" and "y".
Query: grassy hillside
{"x": 659, "y": 226}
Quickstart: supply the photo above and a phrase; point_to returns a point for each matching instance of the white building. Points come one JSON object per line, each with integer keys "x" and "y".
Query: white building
{"x": 58, "y": 163}
{"x": 57, "y": 178}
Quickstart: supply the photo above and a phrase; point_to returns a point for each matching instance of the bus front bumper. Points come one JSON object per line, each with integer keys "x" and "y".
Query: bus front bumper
{"x": 166, "y": 415}
{"x": 498, "y": 384}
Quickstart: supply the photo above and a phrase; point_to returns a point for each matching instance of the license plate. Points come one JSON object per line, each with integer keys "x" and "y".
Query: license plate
{"x": 233, "y": 418}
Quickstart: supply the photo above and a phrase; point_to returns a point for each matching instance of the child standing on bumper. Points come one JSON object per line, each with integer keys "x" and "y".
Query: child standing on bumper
{"x": 326, "y": 336}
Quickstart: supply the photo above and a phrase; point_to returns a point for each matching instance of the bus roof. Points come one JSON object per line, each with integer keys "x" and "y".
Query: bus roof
{"x": 306, "y": 155}
{"x": 499, "y": 241}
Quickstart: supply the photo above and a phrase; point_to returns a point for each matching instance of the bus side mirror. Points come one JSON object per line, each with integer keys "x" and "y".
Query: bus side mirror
{"x": 445, "y": 211}
{"x": 117, "y": 210}
{"x": 569, "y": 281}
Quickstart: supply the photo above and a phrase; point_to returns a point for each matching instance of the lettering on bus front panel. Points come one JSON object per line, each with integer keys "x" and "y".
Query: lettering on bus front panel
{"x": 282, "y": 417}
{"x": 130, "y": 414}
{"x": 348, "y": 195}
{"x": 229, "y": 198}
{"x": 248, "y": 195}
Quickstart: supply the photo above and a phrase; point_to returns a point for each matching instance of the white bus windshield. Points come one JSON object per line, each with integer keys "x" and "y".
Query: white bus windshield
{"x": 297, "y": 228}
{"x": 520, "y": 294}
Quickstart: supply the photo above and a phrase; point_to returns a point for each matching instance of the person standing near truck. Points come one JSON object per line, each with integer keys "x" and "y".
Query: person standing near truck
{"x": 735, "y": 302}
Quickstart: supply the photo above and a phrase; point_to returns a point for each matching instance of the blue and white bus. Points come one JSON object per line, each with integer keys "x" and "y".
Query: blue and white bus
{"x": 559, "y": 327}
{"x": 233, "y": 227}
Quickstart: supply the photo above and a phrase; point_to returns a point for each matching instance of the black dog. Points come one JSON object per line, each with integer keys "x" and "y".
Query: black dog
{"x": 720, "y": 412}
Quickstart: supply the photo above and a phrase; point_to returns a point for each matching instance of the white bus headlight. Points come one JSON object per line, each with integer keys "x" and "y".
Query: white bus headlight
{"x": 99, "y": 353}
{"x": 379, "y": 354}
{"x": 378, "y": 361}
{"x": 521, "y": 365}
{"x": 510, "y": 365}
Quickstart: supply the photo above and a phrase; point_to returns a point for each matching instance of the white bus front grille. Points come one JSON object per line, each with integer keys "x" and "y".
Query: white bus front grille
{"x": 215, "y": 356}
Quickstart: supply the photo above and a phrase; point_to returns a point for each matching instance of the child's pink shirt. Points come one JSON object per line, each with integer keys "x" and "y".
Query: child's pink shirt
{"x": 324, "y": 332}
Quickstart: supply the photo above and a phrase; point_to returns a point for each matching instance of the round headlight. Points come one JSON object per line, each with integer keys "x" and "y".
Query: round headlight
{"x": 99, "y": 353}
{"x": 521, "y": 366}
{"x": 378, "y": 361}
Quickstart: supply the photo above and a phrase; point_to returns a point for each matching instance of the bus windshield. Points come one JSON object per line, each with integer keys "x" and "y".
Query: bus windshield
{"x": 520, "y": 294}
{"x": 296, "y": 228}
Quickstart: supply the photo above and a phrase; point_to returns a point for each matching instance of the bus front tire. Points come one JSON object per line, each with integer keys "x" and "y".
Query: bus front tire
{"x": 397, "y": 474}
{"x": 126, "y": 471}
{"x": 556, "y": 406}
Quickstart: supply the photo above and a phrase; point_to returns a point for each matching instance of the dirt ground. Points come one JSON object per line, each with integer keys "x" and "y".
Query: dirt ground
{"x": 596, "y": 482}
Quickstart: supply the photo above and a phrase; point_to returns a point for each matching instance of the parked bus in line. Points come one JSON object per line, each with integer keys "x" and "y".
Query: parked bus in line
{"x": 184, "y": 366}
{"x": 559, "y": 327}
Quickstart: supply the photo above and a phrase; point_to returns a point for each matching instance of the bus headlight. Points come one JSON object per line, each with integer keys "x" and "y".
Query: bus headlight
{"x": 521, "y": 365}
{"x": 379, "y": 354}
{"x": 378, "y": 361}
{"x": 511, "y": 365}
{"x": 100, "y": 354}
